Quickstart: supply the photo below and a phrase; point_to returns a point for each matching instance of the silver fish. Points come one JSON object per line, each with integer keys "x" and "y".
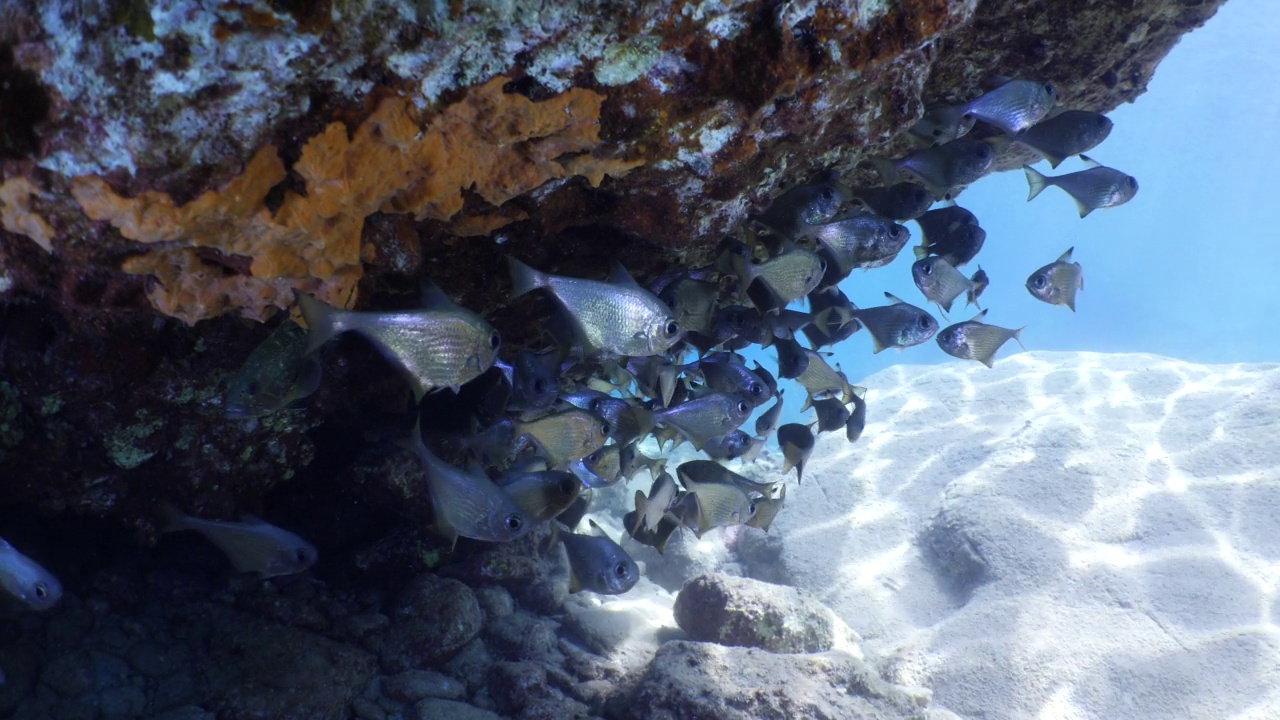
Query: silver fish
{"x": 940, "y": 282}
{"x": 768, "y": 420}
{"x": 942, "y": 123}
{"x": 796, "y": 442}
{"x": 1096, "y": 187}
{"x": 1057, "y": 282}
{"x": 26, "y": 580}
{"x": 619, "y": 317}
{"x": 821, "y": 380}
{"x": 792, "y": 213}
{"x": 1014, "y": 106}
{"x": 274, "y": 376}
{"x": 897, "y": 325}
{"x": 598, "y": 564}
{"x": 730, "y": 447}
{"x": 767, "y": 508}
{"x": 712, "y": 504}
{"x": 788, "y": 276}
{"x": 442, "y": 345}
{"x": 693, "y": 303}
{"x": 565, "y": 436}
{"x": 792, "y": 359}
{"x": 941, "y": 168}
{"x": 253, "y": 545}
{"x": 710, "y": 416}
{"x": 651, "y": 508}
{"x": 862, "y": 240}
{"x": 1068, "y": 133}
{"x": 974, "y": 340}
{"x": 601, "y": 468}
{"x": 467, "y": 504}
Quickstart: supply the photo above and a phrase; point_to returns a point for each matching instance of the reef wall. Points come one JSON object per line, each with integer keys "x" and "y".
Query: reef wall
{"x": 171, "y": 171}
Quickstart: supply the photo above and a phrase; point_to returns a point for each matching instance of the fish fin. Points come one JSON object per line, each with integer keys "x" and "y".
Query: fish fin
{"x": 1081, "y": 282}
{"x": 575, "y": 585}
{"x": 876, "y": 345}
{"x": 999, "y": 143}
{"x": 1054, "y": 160}
{"x": 887, "y": 168}
{"x": 524, "y": 278}
{"x": 1083, "y": 208}
{"x": 764, "y": 297}
{"x": 893, "y": 299}
{"x": 921, "y": 252}
{"x": 618, "y": 275}
{"x": 431, "y": 297}
{"x": 978, "y": 317}
{"x": 808, "y": 403}
{"x": 642, "y": 503}
{"x": 1090, "y": 161}
{"x": 1036, "y": 182}
{"x": 174, "y": 519}
{"x": 644, "y": 419}
{"x": 800, "y": 472}
{"x": 321, "y": 320}
{"x": 1066, "y": 256}
{"x": 596, "y": 529}
{"x": 786, "y": 465}
{"x": 306, "y": 382}
{"x": 1071, "y": 303}
{"x": 1017, "y": 336}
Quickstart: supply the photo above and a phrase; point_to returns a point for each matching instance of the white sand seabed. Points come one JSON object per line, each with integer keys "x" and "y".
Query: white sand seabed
{"x": 1065, "y": 536}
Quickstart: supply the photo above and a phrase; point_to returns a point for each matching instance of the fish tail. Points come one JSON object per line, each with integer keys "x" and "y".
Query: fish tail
{"x": 323, "y": 321}
{"x": 1036, "y": 181}
{"x": 887, "y": 168}
{"x": 642, "y": 504}
{"x": 174, "y": 519}
{"x": 1017, "y": 336}
{"x": 524, "y": 278}
{"x": 920, "y": 251}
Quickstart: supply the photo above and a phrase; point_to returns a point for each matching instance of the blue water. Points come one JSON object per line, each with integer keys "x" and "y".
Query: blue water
{"x": 1185, "y": 269}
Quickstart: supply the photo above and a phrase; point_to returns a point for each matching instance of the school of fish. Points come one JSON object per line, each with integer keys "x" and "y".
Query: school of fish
{"x": 552, "y": 426}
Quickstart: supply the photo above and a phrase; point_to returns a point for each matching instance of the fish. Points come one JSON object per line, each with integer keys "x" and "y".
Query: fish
{"x": 898, "y": 324}
{"x": 727, "y": 373}
{"x": 577, "y": 510}
{"x": 792, "y": 359}
{"x": 1093, "y": 188}
{"x": 767, "y": 508}
{"x": 939, "y": 281}
{"x": 980, "y": 282}
{"x": 1057, "y": 282}
{"x": 782, "y": 279}
{"x": 832, "y": 318}
{"x": 711, "y": 472}
{"x": 253, "y": 545}
{"x": 785, "y": 323}
{"x": 655, "y": 376}
{"x": 900, "y": 201}
{"x": 618, "y": 318}
{"x": 732, "y": 321}
{"x": 692, "y": 303}
{"x": 1014, "y": 106}
{"x": 951, "y": 232}
{"x": 766, "y": 377}
{"x": 832, "y": 414}
{"x": 652, "y": 507}
{"x": 533, "y": 382}
{"x": 1072, "y": 132}
{"x": 564, "y": 436}
{"x": 541, "y": 495}
{"x": 712, "y": 503}
{"x": 730, "y": 447}
{"x": 940, "y": 168}
{"x": 796, "y": 442}
{"x": 942, "y": 123}
{"x": 26, "y": 580}
{"x": 440, "y": 345}
{"x": 861, "y": 240}
{"x": 974, "y": 340}
{"x": 633, "y": 461}
{"x": 274, "y": 377}
{"x": 598, "y": 564}
{"x": 821, "y": 380}
{"x": 710, "y": 416}
{"x": 858, "y": 418}
{"x": 656, "y": 538}
{"x": 768, "y": 420}
{"x": 792, "y": 213}
{"x": 601, "y": 468}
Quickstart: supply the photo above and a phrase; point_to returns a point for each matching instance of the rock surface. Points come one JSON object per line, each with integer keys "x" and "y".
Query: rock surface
{"x": 748, "y": 613}
{"x": 1057, "y": 536}
{"x": 689, "y": 680}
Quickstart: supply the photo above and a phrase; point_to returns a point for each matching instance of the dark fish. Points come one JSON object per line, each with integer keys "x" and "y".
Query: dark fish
{"x": 1068, "y": 133}
{"x": 710, "y": 416}
{"x": 942, "y": 123}
{"x": 862, "y": 240}
{"x": 651, "y": 508}
{"x": 733, "y": 321}
{"x": 1096, "y": 187}
{"x": 943, "y": 167}
{"x": 897, "y": 325}
{"x": 598, "y": 564}
{"x": 467, "y": 504}
{"x": 792, "y": 213}
{"x": 577, "y": 510}
{"x": 26, "y": 580}
{"x": 730, "y": 447}
{"x": 796, "y": 441}
{"x": 858, "y": 418}
{"x": 1057, "y": 282}
{"x": 832, "y": 414}
{"x": 619, "y": 317}
{"x": 655, "y": 376}
{"x": 533, "y": 382}
{"x": 768, "y": 420}
{"x": 441, "y": 345}
{"x": 936, "y": 223}
{"x": 832, "y": 318}
{"x": 656, "y": 538}
{"x": 950, "y": 234}
{"x": 767, "y": 509}
{"x": 693, "y": 303}
{"x": 939, "y": 281}
{"x": 541, "y": 495}
{"x": 709, "y": 472}
{"x": 252, "y": 546}
{"x": 974, "y": 340}
{"x": 1014, "y": 106}
{"x": 902, "y": 201}
{"x": 766, "y": 377}
{"x": 275, "y": 376}
{"x": 727, "y": 373}
{"x": 980, "y": 282}
{"x": 785, "y": 323}
{"x": 792, "y": 359}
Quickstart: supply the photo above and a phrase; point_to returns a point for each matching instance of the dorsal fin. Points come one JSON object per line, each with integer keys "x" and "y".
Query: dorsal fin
{"x": 618, "y": 275}
{"x": 1090, "y": 161}
{"x": 597, "y": 530}
{"x": 1066, "y": 256}
{"x": 893, "y": 299}
{"x": 432, "y": 297}
{"x": 978, "y": 317}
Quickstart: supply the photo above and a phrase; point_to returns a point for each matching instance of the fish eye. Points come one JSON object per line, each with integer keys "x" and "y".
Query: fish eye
{"x": 756, "y": 389}
{"x": 594, "y": 457}
{"x": 949, "y": 336}
{"x": 751, "y": 508}
{"x": 822, "y": 266}
{"x": 594, "y": 405}
{"x": 982, "y": 151}
{"x": 495, "y": 340}
{"x": 937, "y": 132}
{"x": 42, "y": 592}
{"x": 513, "y": 522}
{"x": 538, "y": 386}
{"x": 252, "y": 388}
{"x": 1049, "y": 89}
{"x": 927, "y": 269}
{"x": 302, "y": 556}
{"x": 672, "y": 328}
{"x": 925, "y": 322}
{"x": 620, "y": 570}
{"x": 1039, "y": 281}
{"x": 742, "y": 406}
{"x": 828, "y": 194}
{"x": 605, "y": 429}
{"x": 1133, "y": 181}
